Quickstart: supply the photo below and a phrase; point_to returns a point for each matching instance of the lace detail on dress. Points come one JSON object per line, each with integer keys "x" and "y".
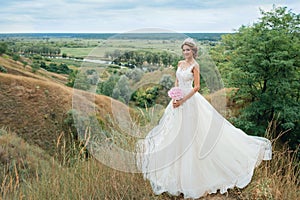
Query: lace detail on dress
{"x": 185, "y": 77}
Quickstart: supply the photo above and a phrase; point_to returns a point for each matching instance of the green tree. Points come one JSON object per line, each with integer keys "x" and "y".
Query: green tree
{"x": 135, "y": 74}
{"x": 3, "y": 48}
{"x": 3, "y": 69}
{"x": 81, "y": 81}
{"x": 16, "y": 57}
{"x": 35, "y": 67}
{"x": 221, "y": 57}
{"x": 106, "y": 88}
{"x": 167, "y": 81}
{"x": 122, "y": 90}
{"x": 145, "y": 97}
{"x": 265, "y": 59}
{"x": 72, "y": 78}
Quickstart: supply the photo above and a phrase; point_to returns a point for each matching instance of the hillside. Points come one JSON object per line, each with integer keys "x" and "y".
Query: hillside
{"x": 17, "y": 68}
{"x": 35, "y": 106}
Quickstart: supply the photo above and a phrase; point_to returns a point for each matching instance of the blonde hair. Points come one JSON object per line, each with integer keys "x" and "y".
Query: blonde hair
{"x": 190, "y": 42}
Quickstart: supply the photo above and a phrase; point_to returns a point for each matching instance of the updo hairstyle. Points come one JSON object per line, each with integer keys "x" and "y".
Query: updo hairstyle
{"x": 190, "y": 42}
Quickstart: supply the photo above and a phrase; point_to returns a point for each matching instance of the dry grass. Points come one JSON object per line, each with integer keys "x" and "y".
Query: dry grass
{"x": 89, "y": 179}
{"x": 24, "y": 97}
{"x": 17, "y": 68}
{"x": 278, "y": 178}
{"x": 30, "y": 108}
{"x": 20, "y": 163}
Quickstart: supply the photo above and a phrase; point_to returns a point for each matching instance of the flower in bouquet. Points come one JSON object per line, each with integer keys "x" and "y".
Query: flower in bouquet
{"x": 175, "y": 93}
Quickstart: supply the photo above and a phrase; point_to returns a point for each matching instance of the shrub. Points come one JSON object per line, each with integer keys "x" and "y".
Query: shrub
{"x": 3, "y": 69}
{"x": 146, "y": 97}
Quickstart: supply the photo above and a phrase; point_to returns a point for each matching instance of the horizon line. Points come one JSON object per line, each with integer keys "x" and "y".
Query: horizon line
{"x": 108, "y": 32}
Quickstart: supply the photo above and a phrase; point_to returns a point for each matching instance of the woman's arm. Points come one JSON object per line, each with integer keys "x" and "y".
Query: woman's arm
{"x": 196, "y": 83}
{"x": 196, "y": 72}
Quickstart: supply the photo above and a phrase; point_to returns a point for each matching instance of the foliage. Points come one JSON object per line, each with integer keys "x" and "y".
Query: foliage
{"x": 135, "y": 74}
{"x": 265, "y": 61}
{"x": 53, "y": 67}
{"x": 106, "y": 88}
{"x": 35, "y": 66}
{"x": 72, "y": 78}
{"x": 39, "y": 48}
{"x": 24, "y": 63}
{"x": 122, "y": 90}
{"x": 3, "y": 48}
{"x": 93, "y": 78}
{"x": 163, "y": 58}
{"x": 15, "y": 57}
{"x": 3, "y": 69}
{"x": 166, "y": 81}
{"x": 145, "y": 97}
{"x": 221, "y": 57}
{"x": 81, "y": 81}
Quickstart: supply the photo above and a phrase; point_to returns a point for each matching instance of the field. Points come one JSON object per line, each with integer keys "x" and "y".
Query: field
{"x": 124, "y": 45}
{"x": 77, "y": 52}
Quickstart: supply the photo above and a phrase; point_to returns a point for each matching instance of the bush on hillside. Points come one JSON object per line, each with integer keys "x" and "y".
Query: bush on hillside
{"x": 3, "y": 48}
{"x": 3, "y": 69}
{"x": 145, "y": 97}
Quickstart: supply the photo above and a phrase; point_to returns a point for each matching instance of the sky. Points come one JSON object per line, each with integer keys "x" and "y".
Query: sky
{"x": 116, "y": 16}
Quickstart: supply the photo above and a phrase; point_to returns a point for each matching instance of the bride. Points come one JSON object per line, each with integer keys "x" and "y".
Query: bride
{"x": 194, "y": 150}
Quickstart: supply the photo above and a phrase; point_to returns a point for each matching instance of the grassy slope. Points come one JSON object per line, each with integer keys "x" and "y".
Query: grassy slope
{"x": 35, "y": 106}
{"x": 30, "y": 172}
{"x": 17, "y": 68}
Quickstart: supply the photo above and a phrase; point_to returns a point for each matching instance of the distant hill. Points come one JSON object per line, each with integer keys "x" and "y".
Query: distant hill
{"x": 197, "y": 36}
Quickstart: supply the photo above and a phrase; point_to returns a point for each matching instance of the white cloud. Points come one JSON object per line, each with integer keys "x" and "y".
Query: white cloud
{"x": 123, "y": 16}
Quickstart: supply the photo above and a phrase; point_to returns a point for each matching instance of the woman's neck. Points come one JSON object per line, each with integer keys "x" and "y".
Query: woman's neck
{"x": 190, "y": 61}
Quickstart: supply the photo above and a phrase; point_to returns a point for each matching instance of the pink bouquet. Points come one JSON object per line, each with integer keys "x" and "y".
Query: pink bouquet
{"x": 175, "y": 93}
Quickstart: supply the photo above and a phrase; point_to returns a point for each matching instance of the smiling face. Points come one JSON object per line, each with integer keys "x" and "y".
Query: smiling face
{"x": 187, "y": 52}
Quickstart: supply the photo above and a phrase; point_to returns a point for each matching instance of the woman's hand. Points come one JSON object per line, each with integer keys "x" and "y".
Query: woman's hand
{"x": 177, "y": 103}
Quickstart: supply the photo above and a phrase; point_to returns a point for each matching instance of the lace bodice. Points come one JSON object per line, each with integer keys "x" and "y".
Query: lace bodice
{"x": 185, "y": 77}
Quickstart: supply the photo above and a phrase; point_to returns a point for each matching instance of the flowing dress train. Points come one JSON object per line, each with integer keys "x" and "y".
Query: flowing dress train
{"x": 194, "y": 150}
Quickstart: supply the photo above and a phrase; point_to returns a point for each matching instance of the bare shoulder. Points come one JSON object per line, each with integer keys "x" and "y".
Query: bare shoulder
{"x": 180, "y": 62}
{"x": 196, "y": 66}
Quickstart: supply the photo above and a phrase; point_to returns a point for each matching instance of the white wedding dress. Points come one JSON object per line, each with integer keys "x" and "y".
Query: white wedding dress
{"x": 194, "y": 150}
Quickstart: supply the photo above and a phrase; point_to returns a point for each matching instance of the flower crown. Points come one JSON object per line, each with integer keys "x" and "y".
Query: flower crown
{"x": 189, "y": 41}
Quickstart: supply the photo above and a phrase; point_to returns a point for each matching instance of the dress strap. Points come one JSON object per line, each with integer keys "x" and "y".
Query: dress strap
{"x": 192, "y": 65}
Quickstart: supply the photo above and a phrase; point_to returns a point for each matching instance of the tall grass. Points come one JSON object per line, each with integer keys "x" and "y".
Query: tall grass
{"x": 278, "y": 178}
{"x": 85, "y": 178}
